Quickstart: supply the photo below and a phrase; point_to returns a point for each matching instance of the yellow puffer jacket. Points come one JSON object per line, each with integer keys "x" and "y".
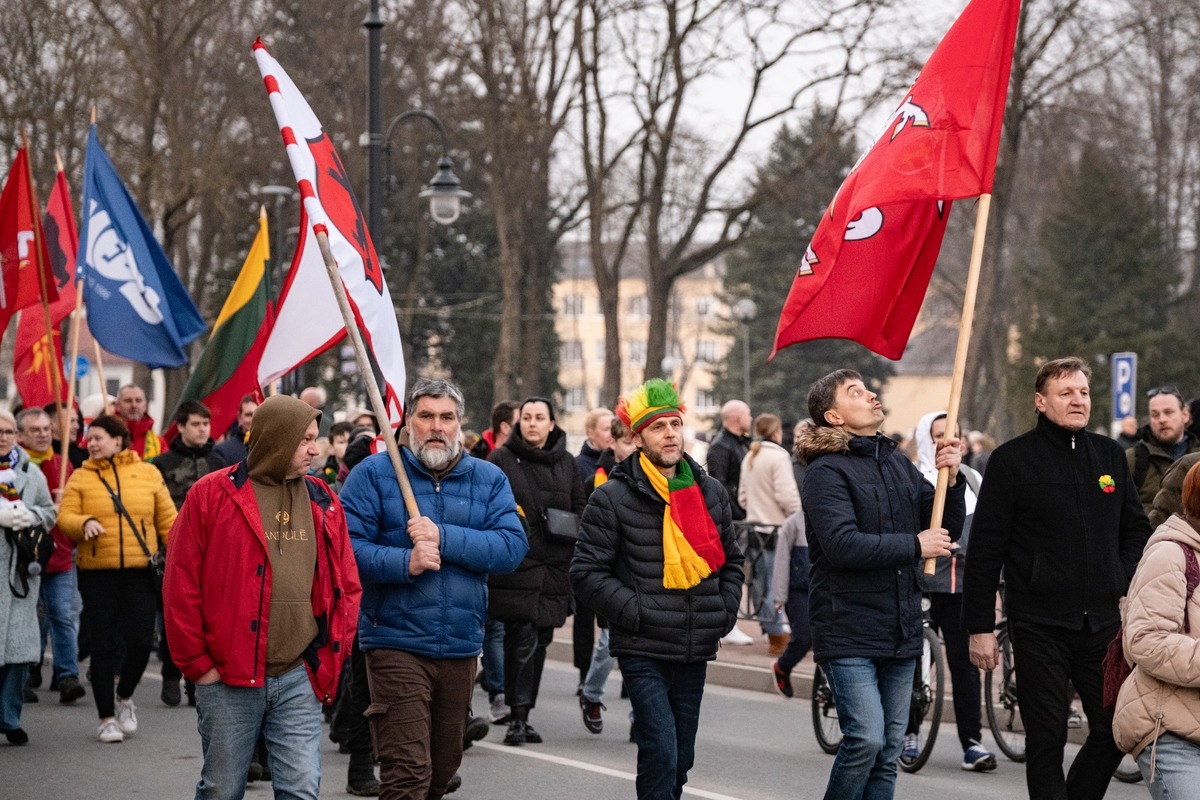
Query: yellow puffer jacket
{"x": 1162, "y": 694}
{"x": 141, "y": 489}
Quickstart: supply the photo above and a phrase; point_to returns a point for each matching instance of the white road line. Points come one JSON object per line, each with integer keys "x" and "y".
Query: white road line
{"x": 612, "y": 773}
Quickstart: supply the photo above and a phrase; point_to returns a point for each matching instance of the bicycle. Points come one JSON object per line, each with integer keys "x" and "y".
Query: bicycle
{"x": 929, "y": 691}
{"x": 754, "y": 539}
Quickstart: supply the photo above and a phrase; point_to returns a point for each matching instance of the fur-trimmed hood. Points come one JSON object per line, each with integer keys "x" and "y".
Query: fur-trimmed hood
{"x": 819, "y": 441}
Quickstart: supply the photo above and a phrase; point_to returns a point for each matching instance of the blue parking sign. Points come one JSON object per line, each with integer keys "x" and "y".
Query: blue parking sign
{"x": 1124, "y": 385}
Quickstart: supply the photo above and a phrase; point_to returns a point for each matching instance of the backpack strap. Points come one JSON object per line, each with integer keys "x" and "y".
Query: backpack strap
{"x": 1141, "y": 465}
{"x": 1192, "y": 576}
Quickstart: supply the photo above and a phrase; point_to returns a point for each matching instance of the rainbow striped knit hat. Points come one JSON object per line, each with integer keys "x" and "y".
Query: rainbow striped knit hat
{"x": 653, "y": 399}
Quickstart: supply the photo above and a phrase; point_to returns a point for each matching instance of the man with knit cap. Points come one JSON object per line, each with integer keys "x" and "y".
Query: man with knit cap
{"x": 261, "y": 602}
{"x": 657, "y": 557}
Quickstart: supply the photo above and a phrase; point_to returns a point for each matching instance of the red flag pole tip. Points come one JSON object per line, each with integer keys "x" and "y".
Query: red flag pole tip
{"x": 271, "y": 84}
{"x": 258, "y": 43}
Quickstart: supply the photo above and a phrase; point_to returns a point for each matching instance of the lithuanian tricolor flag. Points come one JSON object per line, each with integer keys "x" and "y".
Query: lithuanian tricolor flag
{"x": 228, "y": 368}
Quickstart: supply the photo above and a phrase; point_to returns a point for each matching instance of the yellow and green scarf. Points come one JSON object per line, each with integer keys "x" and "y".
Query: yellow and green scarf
{"x": 691, "y": 545}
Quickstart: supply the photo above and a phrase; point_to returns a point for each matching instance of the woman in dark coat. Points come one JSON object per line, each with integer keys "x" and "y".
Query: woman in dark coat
{"x": 535, "y": 599}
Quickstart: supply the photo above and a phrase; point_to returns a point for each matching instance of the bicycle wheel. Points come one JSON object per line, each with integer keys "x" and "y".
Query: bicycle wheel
{"x": 929, "y": 689}
{"x": 1003, "y": 714}
{"x": 824, "y": 714}
{"x": 1127, "y": 771}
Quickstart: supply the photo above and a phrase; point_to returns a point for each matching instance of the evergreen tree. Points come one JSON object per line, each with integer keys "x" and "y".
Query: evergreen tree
{"x": 1100, "y": 284}
{"x": 802, "y": 173}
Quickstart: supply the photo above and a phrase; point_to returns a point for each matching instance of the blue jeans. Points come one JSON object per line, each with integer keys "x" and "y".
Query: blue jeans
{"x": 598, "y": 672}
{"x": 1176, "y": 768}
{"x": 60, "y": 599}
{"x": 12, "y": 695}
{"x": 493, "y": 657}
{"x": 665, "y": 696}
{"x": 229, "y": 719}
{"x": 767, "y": 615}
{"x": 872, "y": 697}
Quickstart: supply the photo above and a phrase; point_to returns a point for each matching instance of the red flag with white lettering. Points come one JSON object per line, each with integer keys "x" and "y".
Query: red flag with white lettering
{"x": 20, "y": 227}
{"x": 866, "y": 271}
{"x": 35, "y": 355}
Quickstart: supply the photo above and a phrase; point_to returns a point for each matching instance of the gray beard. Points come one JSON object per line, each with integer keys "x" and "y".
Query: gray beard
{"x": 438, "y": 460}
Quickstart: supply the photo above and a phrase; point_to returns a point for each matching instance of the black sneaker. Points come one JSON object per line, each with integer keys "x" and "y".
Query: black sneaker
{"x": 476, "y": 729}
{"x": 454, "y": 784}
{"x": 783, "y": 681}
{"x": 170, "y": 692}
{"x": 515, "y": 734}
{"x": 30, "y": 695}
{"x": 532, "y": 736}
{"x": 591, "y": 715}
{"x": 70, "y": 690}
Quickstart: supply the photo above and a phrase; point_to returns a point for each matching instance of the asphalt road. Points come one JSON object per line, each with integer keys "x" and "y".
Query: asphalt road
{"x": 752, "y": 746}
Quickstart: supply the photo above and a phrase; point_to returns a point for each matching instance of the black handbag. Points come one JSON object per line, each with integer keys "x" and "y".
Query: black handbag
{"x": 561, "y": 525}
{"x": 31, "y": 548}
{"x": 157, "y": 559}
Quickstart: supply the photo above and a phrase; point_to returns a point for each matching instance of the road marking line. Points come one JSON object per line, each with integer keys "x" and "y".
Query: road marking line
{"x": 612, "y": 773}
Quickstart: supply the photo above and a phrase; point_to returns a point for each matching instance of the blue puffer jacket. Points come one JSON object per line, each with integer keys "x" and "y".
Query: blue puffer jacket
{"x": 437, "y": 614}
{"x": 864, "y": 504}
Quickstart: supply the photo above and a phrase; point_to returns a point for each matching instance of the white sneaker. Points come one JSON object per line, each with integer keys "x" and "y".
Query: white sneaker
{"x": 126, "y": 719}
{"x": 110, "y": 732}
{"x": 498, "y": 710}
{"x": 737, "y": 636}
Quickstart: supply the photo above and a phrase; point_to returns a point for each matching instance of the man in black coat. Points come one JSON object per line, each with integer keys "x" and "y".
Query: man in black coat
{"x": 631, "y": 566}
{"x": 1059, "y": 513}
{"x": 867, "y": 512}
{"x": 728, "y": 448}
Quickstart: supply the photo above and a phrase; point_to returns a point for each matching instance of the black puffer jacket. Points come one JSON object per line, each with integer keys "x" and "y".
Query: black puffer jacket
{"x": 618, "y": 571}
{"x": 183, "y": 465}
{"x": 540, "y": 589}
{"x": 864, "y": 504}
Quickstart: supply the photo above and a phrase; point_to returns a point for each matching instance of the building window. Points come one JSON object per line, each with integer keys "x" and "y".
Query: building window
{"x": 637, "y": 353}
{"x": 705, "y": 399}
{"x": 574, "y": 399}
{"x": 704, "y": 306}
{"x": 639, "y": 306}
{"x": 573, "y": 305}
{"x": 706, "y": 351}
{"x": 572, "y": 351}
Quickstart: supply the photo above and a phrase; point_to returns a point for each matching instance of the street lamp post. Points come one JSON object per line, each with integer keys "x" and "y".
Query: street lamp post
{"x": 444, "y": 192}
{"x": 744, "y": 311}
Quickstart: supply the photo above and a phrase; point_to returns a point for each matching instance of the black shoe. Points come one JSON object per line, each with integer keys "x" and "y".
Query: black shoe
{"x": 476, "y": 729}
{"x": 532, "y": 736}
{"x": 17, "y": 737}
{"x": 35, "y": 677}
{"x": 54, "y": 687}
{"x": 515, "y": 734}
{"x": 30, "y": 695}
{"x": 70, "y": 690}
{"x": 591, "y": 715}
{"x": 364, "y": 788}
{"x": 454, "y": 784}
{"x": 170, "y": 692}
{"x": 255, "y": 773}
{"x": 360, "y": 779}
{"x": 783, "y": 681}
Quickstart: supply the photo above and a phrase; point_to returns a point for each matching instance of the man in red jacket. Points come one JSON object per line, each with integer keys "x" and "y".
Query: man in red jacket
{"x": 261, "y": 602}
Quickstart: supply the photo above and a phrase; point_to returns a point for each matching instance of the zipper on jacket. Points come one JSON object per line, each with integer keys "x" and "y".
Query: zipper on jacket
{"x": 262, "y": 589}
{"x": 120, "y": 517}
{"x": 1072, "y": 441}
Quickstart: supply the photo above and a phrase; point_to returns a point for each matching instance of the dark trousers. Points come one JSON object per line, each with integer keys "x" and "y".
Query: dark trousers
{"x": 121, "y": 604}
{"x": 1047, "y": 659}
{"x": 354, "y": 696}
{"x": 170, "y": 672}
{"x": 524, "y": 656}
{"x": 801, "y": 640}
{"x": 417, "y": 714}
{"x": 583, "y": 638}
{"x": 665, "y": 696}
{"x": 946, "y": 613}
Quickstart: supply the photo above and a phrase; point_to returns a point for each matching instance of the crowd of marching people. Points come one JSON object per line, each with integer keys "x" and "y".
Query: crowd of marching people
{"x": 292, "y": 557}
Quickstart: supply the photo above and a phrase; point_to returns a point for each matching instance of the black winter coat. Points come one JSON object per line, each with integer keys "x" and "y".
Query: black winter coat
{"x": 181, "y": 466}
{"x": 1059, "y": 512}
{"x": 618, "y": 571}
{"x": 540, "y": 589}
{"x": 724, "y": 464}
{"x": 864, "y": 504}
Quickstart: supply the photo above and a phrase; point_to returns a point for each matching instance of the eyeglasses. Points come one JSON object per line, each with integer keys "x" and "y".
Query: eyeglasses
{"x": 1168, "y": 389}
{"x": 7, "y": 432}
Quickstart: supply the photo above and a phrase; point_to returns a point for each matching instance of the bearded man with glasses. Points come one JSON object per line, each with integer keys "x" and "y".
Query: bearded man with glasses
{"x": 1162, "y": 441}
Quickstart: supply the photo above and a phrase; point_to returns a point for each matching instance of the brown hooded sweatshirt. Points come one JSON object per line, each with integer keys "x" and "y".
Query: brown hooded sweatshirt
{"x": 278, "y": 428}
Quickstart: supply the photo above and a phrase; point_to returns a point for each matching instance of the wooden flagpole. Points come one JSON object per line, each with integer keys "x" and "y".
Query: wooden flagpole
{"x": 960, "y": 360}
{"x": 64, "y": 424}
{"x": 364, "y": 369}
{"x": 100, "y": 375}
{"x": 52, "y": 380}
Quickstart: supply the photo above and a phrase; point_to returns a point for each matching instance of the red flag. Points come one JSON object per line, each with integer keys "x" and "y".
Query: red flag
{"x": 866, "y": 271}
{"x": 31, "y": 370}
{"x": 19, "y": 228}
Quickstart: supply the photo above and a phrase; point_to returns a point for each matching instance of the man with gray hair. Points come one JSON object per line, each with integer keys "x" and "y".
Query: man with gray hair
{"x": 425, "y": 587}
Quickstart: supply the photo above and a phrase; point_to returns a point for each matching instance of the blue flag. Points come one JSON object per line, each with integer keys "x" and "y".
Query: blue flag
{"x": 137, "y": 308}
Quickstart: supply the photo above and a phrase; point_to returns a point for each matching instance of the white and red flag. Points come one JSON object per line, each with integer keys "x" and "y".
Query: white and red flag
{"x": 20, "y": 229}
{"x": 866, "y": 271}
{"x": 307, "y": 320}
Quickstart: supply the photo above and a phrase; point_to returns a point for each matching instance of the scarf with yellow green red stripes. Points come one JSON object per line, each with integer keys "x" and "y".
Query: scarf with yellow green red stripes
{"x": 692, "y": 547}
